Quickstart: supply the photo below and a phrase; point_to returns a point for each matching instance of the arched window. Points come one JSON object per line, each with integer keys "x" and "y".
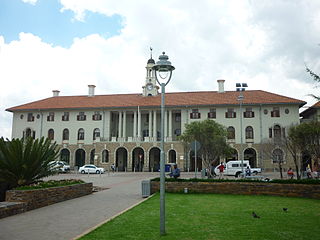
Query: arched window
{"x": 277, "y": 156}
{"x": 249, "y": 132}
{"x": 231, "y": 133}
{"x": 81, "y": 134}
{"x": 277, "y": 131}
{"x": 51, "y": 134}
{"x": 96, "y": 133}
{"x": 65, "y": 134}
{"x": 105, "y": 156}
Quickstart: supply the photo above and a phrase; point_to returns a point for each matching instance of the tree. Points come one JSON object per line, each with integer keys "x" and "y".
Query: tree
{"x": 212, "y": 137}
{"x": 316, "y": 78}
{"x": 25, "y": 161}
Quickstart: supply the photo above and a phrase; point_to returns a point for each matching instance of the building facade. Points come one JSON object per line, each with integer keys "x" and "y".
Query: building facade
{"x": 124, "y": 129}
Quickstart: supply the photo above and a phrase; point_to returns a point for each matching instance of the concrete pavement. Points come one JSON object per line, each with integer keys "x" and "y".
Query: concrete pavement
{"x": 68, "y": 219}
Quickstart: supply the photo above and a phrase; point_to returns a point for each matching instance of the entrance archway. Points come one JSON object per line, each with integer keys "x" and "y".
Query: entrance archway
{"x": 92, "y": 153}
{"x": 154, "y": 159}
{"x": 192, "y": 161}
{"x": 80, "y": 157}
{"x": 172, "y": 156}
{"x": 65, "y": 155}
{"x": 233, "y": 156}
{"x": 251, "y": 155}
{"x": 121, "y": 159}
{"x": 137, "y": 160}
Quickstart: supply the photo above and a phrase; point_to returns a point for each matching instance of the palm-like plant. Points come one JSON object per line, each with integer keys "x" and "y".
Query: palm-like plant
{"x": 25, "y": 161}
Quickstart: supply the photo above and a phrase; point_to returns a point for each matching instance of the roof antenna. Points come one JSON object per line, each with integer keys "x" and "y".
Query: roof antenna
{"x": 150, "y": 52}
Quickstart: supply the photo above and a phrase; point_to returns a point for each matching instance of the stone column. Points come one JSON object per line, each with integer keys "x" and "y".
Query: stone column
{"x": 139, "y": 125}
{"x": 150, "y": 125}
{"x": 170, "y": 126}
{"x": 155, "y": 125}
{"x": 134, "y": 125}
{"x": 124, "y": 130}
{"x": 120, "y": 126}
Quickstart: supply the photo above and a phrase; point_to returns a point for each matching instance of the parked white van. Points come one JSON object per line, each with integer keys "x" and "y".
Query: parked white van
{"x": 234, "y": 168}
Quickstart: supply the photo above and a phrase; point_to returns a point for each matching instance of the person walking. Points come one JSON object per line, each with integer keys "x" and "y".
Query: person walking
{"x": 221, "y": 169}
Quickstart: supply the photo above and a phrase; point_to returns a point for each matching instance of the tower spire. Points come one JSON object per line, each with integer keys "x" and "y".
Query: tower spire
{"x": 150, "y": 52}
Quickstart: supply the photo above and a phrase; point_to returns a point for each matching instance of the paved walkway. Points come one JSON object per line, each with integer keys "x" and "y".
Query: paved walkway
{"x": 68, "y": 219}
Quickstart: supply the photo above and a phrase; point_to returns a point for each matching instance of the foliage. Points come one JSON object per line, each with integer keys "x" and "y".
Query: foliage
{"x": 216, "y": 216}
{"x": 212, "y": 137}
{"x": 25, "y": 161}
{"x": 316, "y": 78}
{"x": 282, "y": 181}
{"x": 50, "y": 184}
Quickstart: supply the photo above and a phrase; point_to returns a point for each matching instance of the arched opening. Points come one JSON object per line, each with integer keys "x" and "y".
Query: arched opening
{"x": 137, "y": 159}
{"x": 28, "y": 132}
{"x": 172, "y": 156}
{"x": 80, "y": 157}
{"x": 96, "y": 133}
{"x": 65, "y": 134}
{"x": 277, "y": 156}
{"x": 249, "y": 132}
{"x": 105, "y": 156}
{"x": 81, "y": 134}
{"x": 65, "y": 155}
{"x": 231, "y": 133}
{"x": 197, "y": 163}
{"x": 233, "y": 156}
{"x": 251, "y": 155}
{"x": 51, "y": 134}
{"x": 92, "y": 154}
{"x": 121, "y": 159}
{"x": 154, "y": 159}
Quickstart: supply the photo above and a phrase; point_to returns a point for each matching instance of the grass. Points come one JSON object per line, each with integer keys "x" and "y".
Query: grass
{"x": 210, "y": 216}
{"x": 50, "y": 184}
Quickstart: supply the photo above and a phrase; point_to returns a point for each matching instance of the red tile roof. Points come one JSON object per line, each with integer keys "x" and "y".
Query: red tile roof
{"x": 252, "y": 97}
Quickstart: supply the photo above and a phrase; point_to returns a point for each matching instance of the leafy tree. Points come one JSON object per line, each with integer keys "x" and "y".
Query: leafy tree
{"x": 212, "y": 137}
{"x": 316, "y": 78}
{"x": 25, "y": 161}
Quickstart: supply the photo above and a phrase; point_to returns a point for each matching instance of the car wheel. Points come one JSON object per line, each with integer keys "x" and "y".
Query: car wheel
{"x": 83, "y": 172}
{"x": 255, "y": 173}
{"x": 237, "y": 174}
{"x": 97, "y": 172}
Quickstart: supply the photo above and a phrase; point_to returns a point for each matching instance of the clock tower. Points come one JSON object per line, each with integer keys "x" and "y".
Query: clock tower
{"x": 150, "y": 88}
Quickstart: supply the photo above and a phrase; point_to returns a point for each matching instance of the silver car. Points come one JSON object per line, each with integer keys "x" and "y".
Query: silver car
{"x": 90, "y": 168}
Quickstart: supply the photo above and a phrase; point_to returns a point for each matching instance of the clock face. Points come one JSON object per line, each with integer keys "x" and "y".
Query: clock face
{"x": 150, "y": 87}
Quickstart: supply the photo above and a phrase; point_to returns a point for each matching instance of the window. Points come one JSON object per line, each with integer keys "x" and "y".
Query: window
{"x": 105, "y": 156}
{"x": 248, "y": 113}
{"x": 65, "y": 134}
{"x": 249, "y": 132}
{"x": 231, "y": 113}
{"x": 195, "y": 114}
{"x": 275, "y": 112}
{"x": 65, "y": 116}
{"x": 81, "y": 116}
{"x": 81, "y": 134}
{"x": 29, "y": 133}
{"x": 96, "y": 116}
{"x": 277, "y": 132}
{"x": 177, "y": 117}
{"x": 50, "y": 117}
{"x": 30, "y": 117}
{"x": 96, "y": 133}
{"x": 177, "y": 132}
{"x": 231, "y": 133}
{"x": 51, "y": 134}
{"x": 277, "y": 156}
{"x": 212, "y": 113}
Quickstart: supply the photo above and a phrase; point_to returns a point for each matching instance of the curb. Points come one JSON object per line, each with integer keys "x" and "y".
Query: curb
{"x": 109, "y": 219}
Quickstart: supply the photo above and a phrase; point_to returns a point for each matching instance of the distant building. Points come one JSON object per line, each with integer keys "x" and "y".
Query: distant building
{"x": 125, "y": 128}
{"x": 311, "y": 114}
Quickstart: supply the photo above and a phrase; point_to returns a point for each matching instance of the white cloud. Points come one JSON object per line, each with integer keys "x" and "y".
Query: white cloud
{"x": 33, "y": 2}
{"x": 265, "y": 44}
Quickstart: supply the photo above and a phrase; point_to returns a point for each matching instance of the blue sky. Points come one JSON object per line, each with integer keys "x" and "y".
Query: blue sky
{"x": 46, "y": 20}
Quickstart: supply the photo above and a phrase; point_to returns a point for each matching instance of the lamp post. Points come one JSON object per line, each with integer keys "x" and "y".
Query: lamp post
{"x": 241, "y": 87}
{"x": 164, "y": 69}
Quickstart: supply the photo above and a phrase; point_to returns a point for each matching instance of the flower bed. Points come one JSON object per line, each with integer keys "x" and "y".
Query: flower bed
{"x": 241, "y": 187}
{"x": 36, "y": 198}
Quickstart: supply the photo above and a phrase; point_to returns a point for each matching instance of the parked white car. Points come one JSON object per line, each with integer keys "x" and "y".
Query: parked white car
{"x": 90, "y": 168}
{"x": 233, "y": 168}
{"x": 60, "y": 166}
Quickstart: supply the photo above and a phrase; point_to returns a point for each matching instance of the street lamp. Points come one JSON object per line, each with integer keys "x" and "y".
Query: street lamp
{"x": 163, "y": 74}
{"x": 241, "y": 87}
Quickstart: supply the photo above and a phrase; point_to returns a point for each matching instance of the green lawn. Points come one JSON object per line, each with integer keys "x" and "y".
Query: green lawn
{"x": 209, "y": 216}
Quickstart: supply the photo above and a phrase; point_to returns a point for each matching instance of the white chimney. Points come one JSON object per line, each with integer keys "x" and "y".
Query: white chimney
{"x": 91, "y": 90}
{"x": 55, "y": 93}
{"x": 221, "y": 85}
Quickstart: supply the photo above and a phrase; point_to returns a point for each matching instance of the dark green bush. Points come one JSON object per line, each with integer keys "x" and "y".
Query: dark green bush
{"x": 50, "y": 184}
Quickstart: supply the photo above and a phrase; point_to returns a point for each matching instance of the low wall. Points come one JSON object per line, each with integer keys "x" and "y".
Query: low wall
{"x": 37, "y": 198}
{"x": 246, "y": 188}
